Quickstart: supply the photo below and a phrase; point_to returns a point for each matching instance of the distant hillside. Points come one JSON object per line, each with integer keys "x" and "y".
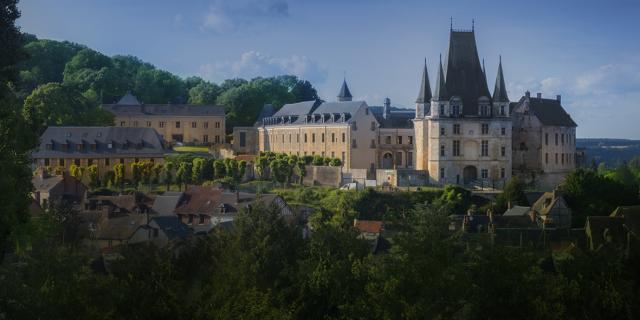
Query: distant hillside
{"x": 611, "y": 151}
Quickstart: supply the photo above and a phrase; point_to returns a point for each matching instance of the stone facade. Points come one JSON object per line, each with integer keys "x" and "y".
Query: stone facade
{"x": 176, "y": 123}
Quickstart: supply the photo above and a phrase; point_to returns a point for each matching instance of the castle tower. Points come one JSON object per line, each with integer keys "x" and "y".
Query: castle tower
{"x": 345, "y": 94}
{"x": 500, "y": 98}
{"x": 424, "y": 97}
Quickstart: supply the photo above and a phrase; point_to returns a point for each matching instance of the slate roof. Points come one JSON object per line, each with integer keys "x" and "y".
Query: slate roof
{"x": 340, "y": 107}
{"x": 120, "y": 228}
{"x": 550, "y": 112}
{"x": 44, "y": 184}
{"x": 166, "y": 203}
{"x": 397, "y": 117}
{"x": 344, "y": 91}
{"x": 186, "y": 110}
{"x": 129, "y": 100}
{"x": 517, "y": 211}
{"x": 500, "y": 90}
{"x": 298, "y": 108}
{"x": 464, "y": 76}
{"x": 209, "y": 200}
{"x": 123, "y": 140}
{"x": 172, "y": 227}
{"x": 424, "y": 96}
{"x": 440, "y": 93}
{"x": 267, "y": 111}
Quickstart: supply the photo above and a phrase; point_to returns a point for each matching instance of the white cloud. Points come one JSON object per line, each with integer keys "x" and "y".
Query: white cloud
{"x": 253, "y": 64}
{"x": 225, "y": 16}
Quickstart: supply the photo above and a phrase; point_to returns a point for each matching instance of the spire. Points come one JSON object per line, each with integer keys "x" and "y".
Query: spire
{"x": 484, "y": 71}
{"x": 425, "y": 88}
{"x": 500, "y": 90}
{"x": 345, "y": 94}
{"x": 440, "y": 92}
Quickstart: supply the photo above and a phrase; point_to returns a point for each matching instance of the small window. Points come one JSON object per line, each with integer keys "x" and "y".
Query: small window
{"x": 387, "y": 139}
{"x": 502, "y": 173}
{"x": 217, "y": 125}
{"x": 177, "y": 124}
{"x": 410, "y": 138}
{"x": 205, "y": 125}
{"x": 442, "y": 109}
{"x": 205, "y": 138}
{"x": 194, "y": 124}
{"x": 399, "y": 139}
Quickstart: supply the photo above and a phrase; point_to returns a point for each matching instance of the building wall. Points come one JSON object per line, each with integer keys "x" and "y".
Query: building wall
{"x": 497, "y": 161}
{"x": 208, "y": 129}
{"x": 248, "y": 145}
{"x": 397, "y": 143}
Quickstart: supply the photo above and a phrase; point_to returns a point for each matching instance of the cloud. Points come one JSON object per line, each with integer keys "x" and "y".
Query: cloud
{"x": 225, "y": 16}
{"x": 253, "y": 64}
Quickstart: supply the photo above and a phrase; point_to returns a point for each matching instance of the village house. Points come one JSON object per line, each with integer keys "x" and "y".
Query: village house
{"x": 552, "y": 211}
{"x": 51, "y": 188}
{"x": 620, "y": 229}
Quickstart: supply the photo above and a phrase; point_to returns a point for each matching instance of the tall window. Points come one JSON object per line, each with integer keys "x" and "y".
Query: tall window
{"x": 484, "y": 110}
{"x": 410, "y": 159}
{"x": 484, "y": 173}
{"x": 503, "y": 151}
{"x": 502, "y": 173}
{"x": 456, "y": 148}
{"x": 556, "y": 139}
{"x": 398, "y": 158}
{"x": 442, "y": 153}
{"x": 206, "y": 125}
{"x": 177, "y": 124}
{"x": 503, "y": 131}
{"x": 399, "y": 139}
{"x": 556, "y": 158}
{"x": 441, "y": 173}
{"x": 442, "y": 131}
{"x": 485, "y": 128}
{"x": 194, "y": 124}
{"x": 344, "y": 135}
{"x": 333, "y": 137}
{"x": 485, "y": 148}
{"x": 217, "y": 139}
{"x": 217, "y": 125}
{"x": 313, "y": 138}
{"x": 502, "y": 113}
{"x": 562, "y": 139}
{"x": 546, "y": 139}
{"x": 123, "y": 123}
{"x": 373, "y": 125}
{"x": 442, "y": 110}
{"x": 205, "y": 138}
{"x": 456, "y": 128}
{"x": 148, "y": 123}
{"x": 410, "y": 138}
{"x": 305, "y": 138}
{"x": 243, "y": 139}
{"x": 455, "y": 110}
{"x": 387, "y": 139}
{"x": 322, "y": 137}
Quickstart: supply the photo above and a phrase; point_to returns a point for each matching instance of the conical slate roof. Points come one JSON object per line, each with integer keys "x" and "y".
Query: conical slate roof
{"x": 345, "y": 94}
{"x": 129, "y": 100}
{"x": 440, "y": 93}
{"x": 464, "y": 77}
{"x": 425, "y": 88}
{"x": 500, "y": 90}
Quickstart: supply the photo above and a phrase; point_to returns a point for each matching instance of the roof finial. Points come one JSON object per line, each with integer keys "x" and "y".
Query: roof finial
{"x": 473, "y": 25}
{"x": 451, "y": 23}
{"x": 441, "y": 58}
{"x": 425, "y": 61}
{"x": 500, "y": 58}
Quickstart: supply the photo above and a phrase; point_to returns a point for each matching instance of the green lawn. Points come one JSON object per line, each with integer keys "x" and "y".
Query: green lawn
{"x": 200, "y": 149}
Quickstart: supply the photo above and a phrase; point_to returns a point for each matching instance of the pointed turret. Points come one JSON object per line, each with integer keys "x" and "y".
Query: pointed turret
{"x": 500, "y": 90}
{"x": 440, "y": 92}
{"x": 345, "y": 94}
{"x": 425, "y": 88}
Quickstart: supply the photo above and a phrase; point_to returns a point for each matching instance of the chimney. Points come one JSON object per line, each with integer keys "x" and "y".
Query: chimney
{"x": 559, "y": 98}
{"x": 527, "y": 94}
{"x": 539, "y": 95}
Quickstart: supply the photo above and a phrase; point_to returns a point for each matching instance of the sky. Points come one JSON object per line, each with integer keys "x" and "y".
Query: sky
{"x": 588, "y": 51}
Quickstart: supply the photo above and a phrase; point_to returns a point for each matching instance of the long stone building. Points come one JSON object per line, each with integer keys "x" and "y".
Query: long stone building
{"x": 459, "y": 133}
{"x": 176, "y": 123}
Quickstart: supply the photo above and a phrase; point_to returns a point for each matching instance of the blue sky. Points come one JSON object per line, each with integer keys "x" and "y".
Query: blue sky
{"x": 588, "y": 51}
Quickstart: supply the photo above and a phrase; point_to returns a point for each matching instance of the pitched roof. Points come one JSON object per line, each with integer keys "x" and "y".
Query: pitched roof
{"x": 368, "y": 226}
{"x": 44, "y": 184}
{"x": 424, "y": 96}
{"x": 500, "y": 90}
{"x": 344, "y": 91}
{"x": 171, "y": 226}
{"x": 164, "y": 110}
{"x": 266, "y": 111}
{"x": 544, "y": 204}
{"x": 199, "y": 200}
{"x": 129, "y": 100}
{"x": 440, "y": 93}
{"x": 166, "y": 203}
{"x": 464, "y": 76}
{"x": 120, "y": 228}
{"x": 550, "y": 112}
{"x": 107, "y": 140}
{"x": 596, "y": 226}
{"x": 298, "y": 108}
{"x": 397, "y": 118}
{"x": 631, "y": 215}
{"x": 517, "y": 211}
{"x": 340, "y": 107}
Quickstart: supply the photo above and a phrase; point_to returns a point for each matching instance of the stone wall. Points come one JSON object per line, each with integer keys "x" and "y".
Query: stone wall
{"x": 323, "y": 176}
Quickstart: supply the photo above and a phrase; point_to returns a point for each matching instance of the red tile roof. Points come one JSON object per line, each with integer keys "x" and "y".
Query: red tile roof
{"x": 369, "y": 226}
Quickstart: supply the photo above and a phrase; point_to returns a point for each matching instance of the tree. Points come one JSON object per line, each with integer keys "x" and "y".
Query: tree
{"x": 136, "y": 173}
{"x": 198, "y": 166}
{"x": 183, "y": 174}
{"x": 118, "y": 179}
{"x": 204, "y": 93}
{"x": 335, "y": 162}
{"x": 301, "y": 170}
{"x": 261, "y": 165}
{"x": 318, "y": 160}
{"x": 167, "y": 174}
{"x": 76, "y": 171}
{"x": 93, "y": 175}
{"x": 16, "y": 136}
{"x": 54, "y": 104}
{"x": 513, "y": 194}
{"x": 157, "y": 172}
{"x": 219, "y": 169}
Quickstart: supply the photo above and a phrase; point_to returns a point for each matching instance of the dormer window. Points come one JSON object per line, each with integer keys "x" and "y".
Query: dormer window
{"x": 502, "y": 113}
{"x": 455, "y": 110}
{"x": 484, "y": 110}
{"x": 442, "y": 109}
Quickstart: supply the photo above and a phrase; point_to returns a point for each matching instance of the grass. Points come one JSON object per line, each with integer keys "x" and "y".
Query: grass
{"x": 192, "y": 149}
